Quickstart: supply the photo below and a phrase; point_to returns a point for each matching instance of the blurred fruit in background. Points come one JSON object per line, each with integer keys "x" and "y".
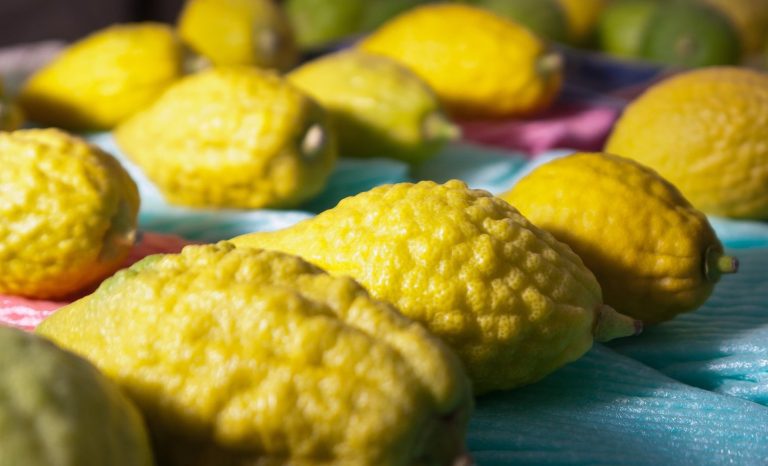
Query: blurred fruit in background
{"x": 750, "y": 18}
{"x": 104, "y": 78}
{"x": 11, "y": 116}
{"x": 704, "y": 131}
{"x": 582, "y": 17}
{"x": 676, "y": 33}
{"x": 547, "y": 18}
{"x": 380, "y": 108}
{"x": 57, "y": 409}
{"x": 239, "y": 32}
{"x": 480, "y": 64}
{"x": 238, "y": 137}
{"x": 320, "y": 22}
{"x": 622, "y": 27}
{"x": 69, "y": 214}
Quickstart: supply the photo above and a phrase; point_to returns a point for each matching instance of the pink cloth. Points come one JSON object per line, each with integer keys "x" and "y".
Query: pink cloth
{"x": 26, "y": 314}
{"x": 571, "y": 126}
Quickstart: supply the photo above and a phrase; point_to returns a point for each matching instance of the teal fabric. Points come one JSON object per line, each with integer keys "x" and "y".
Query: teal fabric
{"x": 693, "y": 391}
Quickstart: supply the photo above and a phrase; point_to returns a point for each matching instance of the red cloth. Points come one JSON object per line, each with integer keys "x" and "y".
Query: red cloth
{"x": 27, "y": 313}
{"x": 572, "y": 126}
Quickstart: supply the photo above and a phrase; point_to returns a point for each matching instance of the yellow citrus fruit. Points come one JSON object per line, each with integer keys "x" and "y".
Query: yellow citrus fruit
{"x": 510, "y": 299}
{"x": 380, "y": 108}
{"x": 583, "y": 16}
{"x": 750, "y": 17}
{"x": 240, "y": 356}
{"x": 57, "y": 409}
{"x": 480, "y": 64}
{"x": 69, "y": 213}
{"x": 654, "y": 255}
{"x": 104, "y": 78}
{"x": 704, "y": 132}
{"x": 232, "y": 137}
{"x": 239, "y": 32}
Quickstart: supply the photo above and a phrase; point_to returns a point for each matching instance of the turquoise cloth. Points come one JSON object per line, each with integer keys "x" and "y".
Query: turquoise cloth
{"x": 693, "y": 391}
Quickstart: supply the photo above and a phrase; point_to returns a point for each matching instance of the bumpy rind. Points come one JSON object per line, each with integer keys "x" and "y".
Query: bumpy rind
{"x": 512, "y": 301}
{"x": 239, "y": 356}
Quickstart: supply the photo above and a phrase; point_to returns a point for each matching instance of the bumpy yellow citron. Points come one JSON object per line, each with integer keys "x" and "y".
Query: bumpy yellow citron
{"x": 510, "y": 299}
{"x": 232, "y": 137}
{"x": 654, "y": 255}
{"x": 480, "y": 64}
{"x": 704, "y": 131}
{"x": 239, "y": 32}
{"x": 102, "y": 79}
{"x": 239, "y": 356}
{"x": 68, "y": 213}
{"x": 380, "y": 108}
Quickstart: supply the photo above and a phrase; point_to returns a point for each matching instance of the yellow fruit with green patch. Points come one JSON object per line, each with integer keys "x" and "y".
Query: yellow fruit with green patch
{"x": 232, "y": 137}
{"x": 380, "y": 108}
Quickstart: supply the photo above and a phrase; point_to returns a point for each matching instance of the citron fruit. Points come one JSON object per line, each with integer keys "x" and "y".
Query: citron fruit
{"x": 57, "y": 409}
{"x": 235, "y": 137}
{"x": 69, "y": 214}
{"x": 380, "y": 108}
{"x": 690, "y": 34}
{"x": 320, "y": 23}
{"x": 239, "y": 32}
{"x": 240, "y": 356}
{"x": 704, "y": 132}
{"x": 654, "y": 254}
{"x": 750, "y": 17}
{"x": 547, "y": 18}
{"x": 511, "y": 300}
{"x": 102, "y": 79}
{"x": 480, "y": 64}
{"x": 623, "y": 25}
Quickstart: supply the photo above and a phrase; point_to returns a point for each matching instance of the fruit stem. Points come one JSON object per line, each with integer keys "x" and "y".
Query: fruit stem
{"x": 313, "y": 141}
{"x": 550, "y": 63}
{"x": 437, "y": 127}
{"x": 716, "y": 264}
{"x": 609, "y": 324}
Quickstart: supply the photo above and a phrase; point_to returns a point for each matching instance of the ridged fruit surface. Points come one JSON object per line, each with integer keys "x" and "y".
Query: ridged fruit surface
{"x": 242, "y": 357}
{"x": 510, "y": 299}
{"x": 480, "y": 64}
{"x": 68, "y": 213}
{"x": 704, "y": 131}
{"x": 104, "y": 78}
{"x": 654, "y": 254}
{"x": 237, "y": 137}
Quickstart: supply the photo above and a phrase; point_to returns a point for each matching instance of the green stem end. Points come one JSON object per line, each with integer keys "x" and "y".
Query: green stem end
{"x": 716, "y": 264}
{"x": 609, "y": 325}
